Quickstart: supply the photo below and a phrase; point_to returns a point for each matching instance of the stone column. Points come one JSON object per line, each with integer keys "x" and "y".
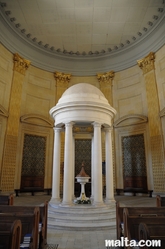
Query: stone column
{"x": 62, "y": 81}
{"x": 155, "y": 129}
{"x": 92, "y": 168}
{"x": 56, "y": 166}
{"x": 109, "y": 165}
{"x": 12, "y": 130}
{"x": 97, "y": 174}
{"x": 68, "y": 165}
{"x": 73, "y": 180}
{"x": 105, "y": 81}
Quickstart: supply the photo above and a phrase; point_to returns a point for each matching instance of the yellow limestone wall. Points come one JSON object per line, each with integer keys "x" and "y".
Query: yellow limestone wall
{"x": 128, "y": 91}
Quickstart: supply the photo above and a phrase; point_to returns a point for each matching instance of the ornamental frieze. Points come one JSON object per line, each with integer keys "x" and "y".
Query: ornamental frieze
{"x": 20, "y": 64}
{"x": 147, "y": 63}
{"x": 62, "y": 77}
{"x": 105, "y": 77}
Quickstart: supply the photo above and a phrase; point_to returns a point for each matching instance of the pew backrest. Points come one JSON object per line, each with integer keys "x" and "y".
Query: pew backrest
{"x": 6, "y": 199}
{"x": 10, "y": 234}
{"x": 119, "y": 220}
{"x": 152, "y": 232}
{"x": 29, "y": 220}
{"x": 132, "y": 221}
{"x": 160, "y": 201}
{"x": 28, "y": 209}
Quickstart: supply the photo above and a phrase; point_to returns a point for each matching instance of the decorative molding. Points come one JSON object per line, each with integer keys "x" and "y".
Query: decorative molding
{"x": 20, "y": 64}
{"x": 106, "y": 77}
{"x": 62, "y": 77}
{"x": 83, "y": 129}
{"x": 147, "y": 63}
{"x": 35, "y": 119}
{"x": 162, "y": 112}
{"x": 3, "y": 112}
{"x": 48, "y": 59}
{"x": 129, "y": 120}
{"x": 17, "y": 27}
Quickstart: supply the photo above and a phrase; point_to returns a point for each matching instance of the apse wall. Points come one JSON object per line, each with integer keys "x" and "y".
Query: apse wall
{"x": 41, "y": 91}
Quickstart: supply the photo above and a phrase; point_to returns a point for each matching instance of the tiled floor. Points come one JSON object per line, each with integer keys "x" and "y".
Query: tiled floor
{"x": 82, "y": 239}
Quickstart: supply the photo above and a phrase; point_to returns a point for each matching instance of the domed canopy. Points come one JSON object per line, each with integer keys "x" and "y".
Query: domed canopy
{"x": 82, "y": 103}
{"x": 82, "y": 92}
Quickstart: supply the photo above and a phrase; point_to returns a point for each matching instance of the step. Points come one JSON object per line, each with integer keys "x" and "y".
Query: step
{"x": 82, "y": 217}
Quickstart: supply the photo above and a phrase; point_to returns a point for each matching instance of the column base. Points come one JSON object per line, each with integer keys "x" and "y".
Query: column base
{"x": 98, "y": 204}
{"x": 66, "y": 204}
{"x": 55, "y": 201}
{"x": 110, "y": 201}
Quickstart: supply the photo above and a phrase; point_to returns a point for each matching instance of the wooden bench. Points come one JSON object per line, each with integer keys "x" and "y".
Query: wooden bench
{"x": 132, "y": 217}
{"x": 10, "y": 234}
{"x": 30, "y": 209}
{"x": 32, "y": 190}
{"x": 29, "y": 220}
{"x": 152, "y": 232}
{"x": 134, "y": 191}
{"x": 43, "y": 221}
{"x": 119, "y": 221}
{"x": 160, "y": 201}
{"x": 6, "y": 199}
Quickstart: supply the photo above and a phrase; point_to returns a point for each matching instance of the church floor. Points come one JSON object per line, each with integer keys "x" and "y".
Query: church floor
{"x": 83, "y": 239}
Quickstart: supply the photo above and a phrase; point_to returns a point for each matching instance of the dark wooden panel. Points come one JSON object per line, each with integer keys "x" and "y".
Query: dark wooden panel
{"x": 135, "y": 182}
{"x": 28, "y": 182}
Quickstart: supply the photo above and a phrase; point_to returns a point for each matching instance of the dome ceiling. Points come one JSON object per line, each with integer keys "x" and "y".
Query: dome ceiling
{"x": 83, "y": 27}
{"x": 82, "y": 37}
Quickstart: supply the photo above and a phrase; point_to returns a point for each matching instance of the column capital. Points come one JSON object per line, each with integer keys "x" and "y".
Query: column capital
{"x": 96, "y": 124}
{"x": 108, "y": 129}
{"x": 62, "y": 77}
{"x": 106, "y": 77}
{"x": 20, "y": 64}
{"x": 69, "y": 124}
{"x": 57, "y": 129}
{"x": 147, "y": 63}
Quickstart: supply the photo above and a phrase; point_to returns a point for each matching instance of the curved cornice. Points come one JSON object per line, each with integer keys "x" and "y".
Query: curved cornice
{"x": 3, "y": 112}
{"x": 129, "y": 120}
{"x": 118, "y": 60}
{"x": 35, "y": 119}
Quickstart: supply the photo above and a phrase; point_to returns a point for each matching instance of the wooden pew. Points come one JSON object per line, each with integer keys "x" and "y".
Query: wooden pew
{"x": 43, "y": 221}
{"x": 6, "y": 199}
{"x": 29, "y": 220}
{"x": 160, "y": 201}
{"x": 152, "y": 232}
{"x": 132, "y": 217}
{"x": 119, "y": 221}
{"x": 10, "y": 234}
{"x": 30, "y": 209}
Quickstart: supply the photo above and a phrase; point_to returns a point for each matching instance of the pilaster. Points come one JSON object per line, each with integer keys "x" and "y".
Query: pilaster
{"x": 11, "y": 138}
{"x": 106, "y": 83}
{"x": 155, "y": 129}
{"x": 62, "y": 82}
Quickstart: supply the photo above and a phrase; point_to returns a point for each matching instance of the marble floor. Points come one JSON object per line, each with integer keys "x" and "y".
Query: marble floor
{"x": 83, "y": 239}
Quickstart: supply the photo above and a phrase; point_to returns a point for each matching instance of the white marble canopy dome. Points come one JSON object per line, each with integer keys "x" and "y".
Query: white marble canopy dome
{"x": 83, "y": 103}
